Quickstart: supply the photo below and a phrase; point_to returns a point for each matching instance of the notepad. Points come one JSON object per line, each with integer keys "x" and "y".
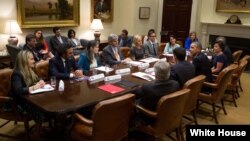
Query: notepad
{"x": 111, "y": 88}
{"x": 127, "y": 84}
{"x": 46, "y": 88}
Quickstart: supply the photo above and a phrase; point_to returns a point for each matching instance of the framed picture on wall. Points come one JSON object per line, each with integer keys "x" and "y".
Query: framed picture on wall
{"x": 48, "y": 13}
{"x": 233, "y": 6}
{"x": 102, "y": 9}
{"x": 144, "y": 12}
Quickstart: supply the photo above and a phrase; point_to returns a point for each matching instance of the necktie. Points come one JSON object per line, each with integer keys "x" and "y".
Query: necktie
{"x": 153, "y": 45}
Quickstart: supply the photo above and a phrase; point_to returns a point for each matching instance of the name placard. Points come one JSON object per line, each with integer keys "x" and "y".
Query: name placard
{"x": 113, "y": 77}
{"x": 97, "y": 77}
{"x": 123, "y": 71}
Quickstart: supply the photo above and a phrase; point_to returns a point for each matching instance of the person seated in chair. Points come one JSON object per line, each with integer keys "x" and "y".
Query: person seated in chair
{"x": 63, "y": 65}
{"x": 124, "y": 40}
{"x": 182, "y": 71}
{"x": 200, "y": 61}
{"x": 58, "y": 40}
{"x": 91, "y": 59}
{"x": 227, "y": 50}
{"x": 151, "y": 47}
{"x": 137, "y": 52}
{"x": 112, "y": 54}
{"x": 23, "y": 82}
{"x": 31, "y": 46}
{"x": 149, "y": 94}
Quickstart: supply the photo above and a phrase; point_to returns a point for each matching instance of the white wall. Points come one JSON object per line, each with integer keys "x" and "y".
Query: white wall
{"x": 126, "y": 15}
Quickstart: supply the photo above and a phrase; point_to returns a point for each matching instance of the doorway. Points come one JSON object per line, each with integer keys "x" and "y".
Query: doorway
{"x": 176, "y": 18}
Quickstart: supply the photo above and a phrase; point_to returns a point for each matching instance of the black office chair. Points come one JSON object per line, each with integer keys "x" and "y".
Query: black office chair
{"x": 13, "y": 51}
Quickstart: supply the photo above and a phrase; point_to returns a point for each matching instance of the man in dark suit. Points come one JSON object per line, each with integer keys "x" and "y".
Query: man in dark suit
{"x": 182, "y": 71}
{"x": 124, "y": 40}
{"x": 63, "y": 65}
{"x": 112, "y": 54}
{"x": 149, "y": 94}
{"x": 31, "y": 46}
{"x": 57, "y": 41}
{"x": 200, "y": 61}
{"x": 151, "y": 47}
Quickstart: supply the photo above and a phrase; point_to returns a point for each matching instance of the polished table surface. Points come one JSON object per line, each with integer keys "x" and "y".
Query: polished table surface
{"x": 76, "y": 95}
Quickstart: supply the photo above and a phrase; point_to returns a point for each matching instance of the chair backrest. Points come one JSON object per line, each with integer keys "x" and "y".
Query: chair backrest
{"x": 236, "y": 56}
{"x": 161, "y": 48}
{"x": 169, "y": 112}
{"x": 246, "y": 57}
{"x": 125, "y": 51}
{"x": 111, "y": 118}
{"x": 13, "y": 51}
{"x": 179, "y": 43}
{"x": 222, "y": 80}
{"x": 42, "y": 69}
{"x": 195, "y": 85}
{"x": 238, "y": 72}
{"x": 5, "y": 78}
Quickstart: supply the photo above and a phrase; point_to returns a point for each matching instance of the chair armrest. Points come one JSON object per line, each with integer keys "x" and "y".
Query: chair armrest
{"x": 5, "y": 98}
{"x": 210, "y": 85}
{"x": 83, "y": 119}
{"x": 147, "y": 112}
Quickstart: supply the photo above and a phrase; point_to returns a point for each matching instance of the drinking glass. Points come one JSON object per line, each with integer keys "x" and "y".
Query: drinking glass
{"x": 53, "y": 81}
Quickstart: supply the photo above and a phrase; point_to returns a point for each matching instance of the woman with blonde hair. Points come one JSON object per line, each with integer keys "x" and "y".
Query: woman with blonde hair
{"x": 23, "y": 81}
{"x": 137, "y": 51}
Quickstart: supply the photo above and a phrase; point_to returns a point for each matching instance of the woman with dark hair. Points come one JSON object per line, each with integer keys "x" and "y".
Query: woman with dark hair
{"x": 74, "y": 41}
{"x": 41, "y": 45}
{"x": 191, "y": 38}
{"x": 219, "y": 60}
{"x": 91, "y": 59}
{"x": 171, "y": 45}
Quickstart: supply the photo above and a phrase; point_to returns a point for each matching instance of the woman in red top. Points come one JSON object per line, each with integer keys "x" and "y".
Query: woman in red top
{"x": 42, "y": 46}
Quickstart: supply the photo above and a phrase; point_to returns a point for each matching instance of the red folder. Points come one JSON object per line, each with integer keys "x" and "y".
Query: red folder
{"x": 111, "y": 88}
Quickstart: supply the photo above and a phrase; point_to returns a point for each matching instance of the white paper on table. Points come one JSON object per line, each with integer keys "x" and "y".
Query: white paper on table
{"x": 168, "y": 54}
{"x": 144, "y": 76}
{"x": 134, "y": 63}
{"x": 104, "y": 69}
{"x": 45, "y": 88}
{"x": 149, "y": 60}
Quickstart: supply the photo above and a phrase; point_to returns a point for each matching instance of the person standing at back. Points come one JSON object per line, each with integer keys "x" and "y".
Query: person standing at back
{"x": 182, "y": 71}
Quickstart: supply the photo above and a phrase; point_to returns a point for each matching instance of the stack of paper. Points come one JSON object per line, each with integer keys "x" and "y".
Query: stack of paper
{"x": 104, "y": 69}
{"x": 45, "y": 88}
{"x": 150, "y": 60}
{"x": 134, "y": 63}
{"x": 143, "y": 76}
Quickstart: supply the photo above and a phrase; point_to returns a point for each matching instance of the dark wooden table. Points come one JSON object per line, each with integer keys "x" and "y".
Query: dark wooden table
{"x": 76, "y": 95}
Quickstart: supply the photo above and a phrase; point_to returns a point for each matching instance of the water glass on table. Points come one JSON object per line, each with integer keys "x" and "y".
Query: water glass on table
{"x": 53, "y": 81}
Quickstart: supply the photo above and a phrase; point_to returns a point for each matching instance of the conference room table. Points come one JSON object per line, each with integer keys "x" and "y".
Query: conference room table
{"x": 78, "y": 94}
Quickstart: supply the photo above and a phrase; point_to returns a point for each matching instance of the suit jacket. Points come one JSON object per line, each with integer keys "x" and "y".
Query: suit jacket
{"x": 182, "y": 72}
{"x": 84, "y": 63}
{"x": 56, "y": 67}
{"x": 37, "y": 56}
{"x": 109, "y": 56}
{"x": 55, "y": 43}
{"x": 149, "y": 50}
{"x": 127, "y": 42}
{"x": 150, "y": 93}
{"x": 202, "y": 66}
